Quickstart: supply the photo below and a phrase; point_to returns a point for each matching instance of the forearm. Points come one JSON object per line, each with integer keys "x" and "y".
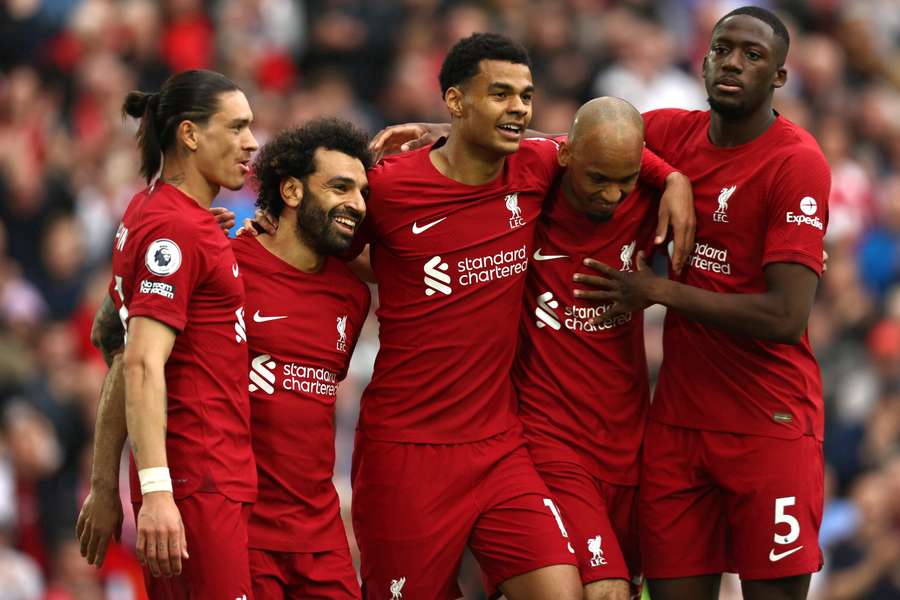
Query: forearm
{"x": 763, "y": 316}
{"x": 145, "y": 411}
{"x": 110, "y": 430}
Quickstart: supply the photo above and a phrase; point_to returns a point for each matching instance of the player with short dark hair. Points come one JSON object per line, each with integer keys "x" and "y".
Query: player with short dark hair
{"x": 305, "y": 310}
{"x": 440, "y": 461}
{"x": 732, "y": 472}
{"x": 177, "y": 292}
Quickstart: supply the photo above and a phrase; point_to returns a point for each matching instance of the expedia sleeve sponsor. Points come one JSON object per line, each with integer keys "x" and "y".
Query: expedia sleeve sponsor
{"x": 166, "y": 290}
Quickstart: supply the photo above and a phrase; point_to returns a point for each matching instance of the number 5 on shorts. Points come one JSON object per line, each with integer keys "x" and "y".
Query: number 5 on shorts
{"x": 791, "y": 521}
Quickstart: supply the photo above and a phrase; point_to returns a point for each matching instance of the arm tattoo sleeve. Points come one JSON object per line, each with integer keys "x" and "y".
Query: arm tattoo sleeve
{"x": 107, "y": 331}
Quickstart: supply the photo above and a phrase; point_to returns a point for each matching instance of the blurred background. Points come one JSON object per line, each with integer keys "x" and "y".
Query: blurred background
{"x": 68, "y": 166}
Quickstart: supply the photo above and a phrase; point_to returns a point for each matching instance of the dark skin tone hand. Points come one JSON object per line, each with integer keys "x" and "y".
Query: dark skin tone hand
{"x": 778, "y": 314}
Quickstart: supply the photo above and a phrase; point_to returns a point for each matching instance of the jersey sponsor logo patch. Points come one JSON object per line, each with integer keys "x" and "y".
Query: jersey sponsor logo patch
{"x": 776, "y": 556}
{"x": 258, "y": 318}
{"x": 121, "y": 236}
{"x": 159, "y": 288}
{"x": 163, "y": 257}
{"x": 595, "y": 547}
{"x": 417, "y": 229}
{"x": 544, "y": 312}
{"x": 626, "y": 256}
{"x": 808, "y": 207}
{"x": 512, "y": 205}
{"x": 240, "y": 329}
{"x": 397, "y": 588}
{"x": 436, "y": 278}
{"x": 342, "y": 333}
{"x": 262, "y": 374}
{"x": 721, "y": 214}
{"x": 538, "y": 256}
{"x": 474, "y": 270}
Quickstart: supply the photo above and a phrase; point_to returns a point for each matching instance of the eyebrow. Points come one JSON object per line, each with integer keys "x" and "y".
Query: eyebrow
{"x": 605, "y": 176}
{"x": 240, "y": 122}
{"x": 508, "y": 87}
{"x": 338, "y": 179}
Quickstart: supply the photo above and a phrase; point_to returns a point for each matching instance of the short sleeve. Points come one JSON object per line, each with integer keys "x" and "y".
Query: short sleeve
{"x": 547, "y": 151}
{"x": 169, "y": 265}
{"x": 798, "y": 210}
{"x": 654, "y": 170}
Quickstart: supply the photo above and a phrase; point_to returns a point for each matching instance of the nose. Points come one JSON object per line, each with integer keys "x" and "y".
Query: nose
{"x": 516, "y": 105}
{"x": 250, "y": 144}
{"x": 611, "y": 195}
{"x": 732, "y": 61}
{"x": 357, "y": 203}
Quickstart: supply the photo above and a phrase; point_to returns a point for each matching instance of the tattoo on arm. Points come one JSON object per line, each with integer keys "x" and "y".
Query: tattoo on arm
{"x": 107, "y": 331}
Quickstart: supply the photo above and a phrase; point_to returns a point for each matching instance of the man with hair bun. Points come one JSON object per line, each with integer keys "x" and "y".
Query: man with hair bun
{"x": 177, "y": 295}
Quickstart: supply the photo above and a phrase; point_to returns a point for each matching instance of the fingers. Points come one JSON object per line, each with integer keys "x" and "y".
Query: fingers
{"x": 662, "y": 227}
{"x": 615, "y": 310}
{"x": 140, "y": 546}
{"x": 600, "y": 296}
{"x": 79, "y": 530}
{"x": 184, "y": 548}
{"x": 96, "y": 540}
{"x": 593, "y": 280}
{"x": 100, "y": 556}
{"x": 163, "y": 542}
{"x": 420, "y": 142}
{"x": 599, "y": 266}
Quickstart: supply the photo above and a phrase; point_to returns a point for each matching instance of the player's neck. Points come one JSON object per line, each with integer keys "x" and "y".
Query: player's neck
{"x": 189, "y": 182}
{"x": 726, "y": 133}
{"x": 287, "y": 245}
{"x": 466, "y": 163}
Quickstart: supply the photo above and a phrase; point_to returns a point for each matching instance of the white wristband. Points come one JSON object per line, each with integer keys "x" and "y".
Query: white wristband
{"x": 155, "y": 479}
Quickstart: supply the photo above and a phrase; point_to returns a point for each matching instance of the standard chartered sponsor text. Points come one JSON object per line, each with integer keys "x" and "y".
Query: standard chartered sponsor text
{"x": 578, "y": 318}
{"x": 710, "y": 258}
{"x": 483, "y": 269}
{"x": 309, "y": 380}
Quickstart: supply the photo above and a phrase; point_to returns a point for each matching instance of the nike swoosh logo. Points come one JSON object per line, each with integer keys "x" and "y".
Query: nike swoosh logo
{"x": 776, "y": 557}
{"x": 261, "y": 319}
{"x": 417, "y": 230}
{"x": 539, "y": 256}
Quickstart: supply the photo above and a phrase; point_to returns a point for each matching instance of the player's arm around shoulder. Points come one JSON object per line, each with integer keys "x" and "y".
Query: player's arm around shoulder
{"x": 778, "y": 314}
{"x": 161, "y": 540}
{"x": 100, "y": 518}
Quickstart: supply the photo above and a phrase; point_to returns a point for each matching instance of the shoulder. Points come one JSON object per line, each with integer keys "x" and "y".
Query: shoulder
{"x": 395, "y": 167}
{"x": 339, "y": 276}
{"x": 672, "y": 121}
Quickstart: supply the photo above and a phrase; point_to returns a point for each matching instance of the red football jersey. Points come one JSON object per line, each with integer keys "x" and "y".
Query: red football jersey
{"x": 450, "y": 260}
{"x": 762, "y": 202}
{"x": 582, "y": 388}
{"x": 172, "y": 263}
{"x": 301, "y": 331}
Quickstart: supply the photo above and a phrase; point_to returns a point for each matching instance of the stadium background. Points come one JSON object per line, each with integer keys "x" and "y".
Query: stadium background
{"x": 68, "y": 166}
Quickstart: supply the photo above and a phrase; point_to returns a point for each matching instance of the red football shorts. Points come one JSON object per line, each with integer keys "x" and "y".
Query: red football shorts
{"x": 416, "y": 507}
{"x": 303, "y": 575}
{"x": 712, "y": 502}
{"x": 601, "y": 519}
{"x": 216, "y": 532}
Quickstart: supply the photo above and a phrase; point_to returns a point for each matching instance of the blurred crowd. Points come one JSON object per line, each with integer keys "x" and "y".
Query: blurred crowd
{"x": 68, "y": 166}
